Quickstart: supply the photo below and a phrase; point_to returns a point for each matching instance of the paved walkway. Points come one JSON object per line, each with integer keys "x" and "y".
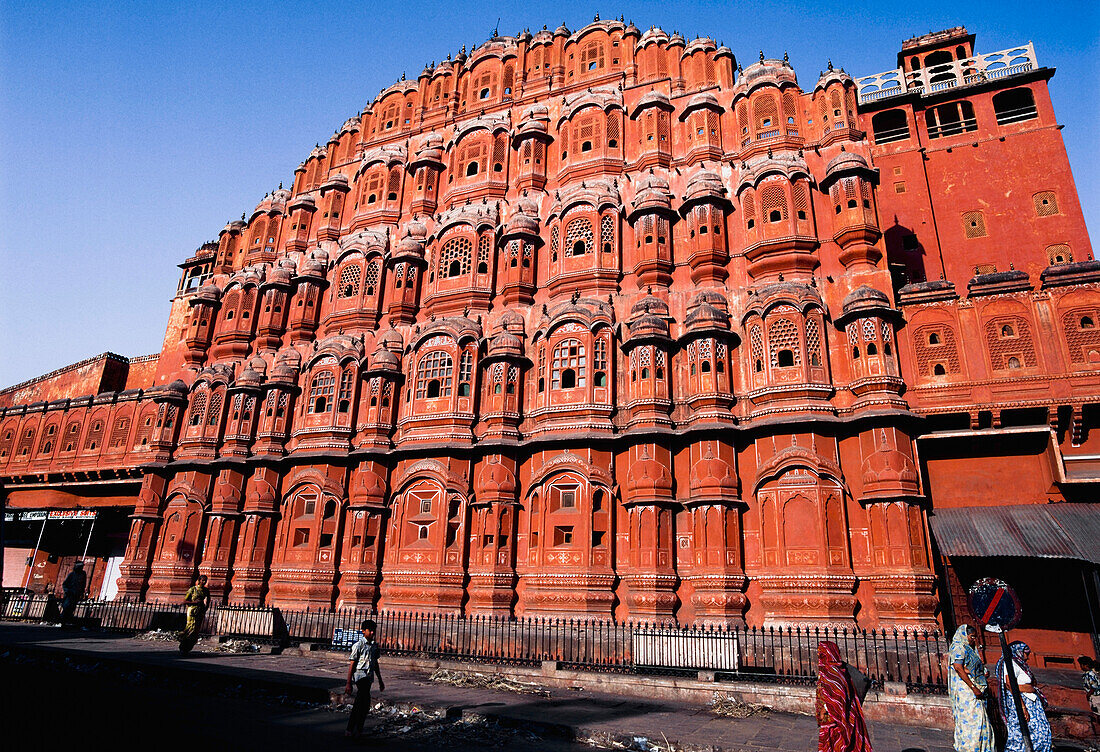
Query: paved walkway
{"x": 572, "y": 713}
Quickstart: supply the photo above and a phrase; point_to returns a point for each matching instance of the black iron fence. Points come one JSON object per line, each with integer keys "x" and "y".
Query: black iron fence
{"x": 778, "y": 654}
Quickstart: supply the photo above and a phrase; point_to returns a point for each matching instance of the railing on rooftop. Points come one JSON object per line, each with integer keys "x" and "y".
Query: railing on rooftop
{"x": 770, "y": 654}
{"x": 955, "y": 74}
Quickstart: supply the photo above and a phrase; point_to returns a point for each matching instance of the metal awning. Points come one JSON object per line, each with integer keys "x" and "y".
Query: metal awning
{"x": 1048, "y": 531}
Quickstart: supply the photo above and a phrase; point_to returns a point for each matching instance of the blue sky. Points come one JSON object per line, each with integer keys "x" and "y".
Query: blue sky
{"x": 131, "y": 132}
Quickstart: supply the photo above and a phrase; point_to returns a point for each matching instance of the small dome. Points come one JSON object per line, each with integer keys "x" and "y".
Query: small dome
{"x": 207, "y": 293}
{"x": 649, "y": 304}
{"x": 846, "y": 160}
{"x": 384, "y": 360}
{"x": 676, "y": 38}
{"x": 865, "y": 295}
{"x": 704, "y": 184}
{"x": 711, "y": 477}
{"x": 313, "y": 267}
{"x": 562, "y": 30}
{"x": 648, "y": 479}
{"x": 648, "y": 325}
{"x": 495, "y": 481}
{"x": 391, "y": 340}
{"x": 176, "y": 389}
{"x": 506, "y": 344}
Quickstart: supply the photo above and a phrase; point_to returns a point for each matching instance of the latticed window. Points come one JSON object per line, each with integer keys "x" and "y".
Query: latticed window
{"x": 349, "y": 281}
{"x": 373, "y": 273}
{"x": 454, "y": 257}
{"x": 198, "y": 408}
{"x": 214, "y": 414}
{"x": 813, "y": 342}
{"x": 347, "y": 384}
{"x": 1046, "y": 204}
{"x": 748, "y": 204}
{"x": 320, "y": 393}
{"x": 612, "y": 129}
{"x": 1082, "y": 334}
{"x": 937, "y": 353}
{"x": 578, "y": 237}
{"x": 484, "y": 245}
{"x": 599, "y": 355}
{"x": 433, "y": 376}
{"x": 592, "y": 56}
{"x": 783, "y": 343}
{"x": 774, "y": 203}
{"x": 1059, "y": 254}
{"x": 497, "y": 377}
{"x": 554, "y": 241}
{"x": 756, "y": 345}
{"x": 974, "y": 224}
{"x": 119, "y": 431}
{"x": 465, "y": 372}
{"x": 607, "y": 233}
{"x": 567, "y": 367}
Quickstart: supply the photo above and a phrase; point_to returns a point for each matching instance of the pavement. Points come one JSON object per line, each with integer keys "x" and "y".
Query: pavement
{"x": 573, "y": 715}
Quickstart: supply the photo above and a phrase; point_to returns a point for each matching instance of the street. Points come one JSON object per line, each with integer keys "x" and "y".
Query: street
{"x": 75, "y": 705}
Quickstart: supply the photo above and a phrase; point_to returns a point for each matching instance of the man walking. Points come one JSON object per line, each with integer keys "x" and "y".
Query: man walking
{"x": 73, "y": 588}
{"x": 361, "y": 673}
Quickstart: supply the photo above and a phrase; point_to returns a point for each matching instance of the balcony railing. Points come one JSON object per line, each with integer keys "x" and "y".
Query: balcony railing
{"x": 957, "y": 73}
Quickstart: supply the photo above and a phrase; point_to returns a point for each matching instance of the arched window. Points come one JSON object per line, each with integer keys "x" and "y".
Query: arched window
{"x": 454, "y": 257}
{"x": 933, "y": 338}
{"x": 1014, "y": 106}
{"x": 578, "y": 237}
{"x": 890, "y": 126}
{"x": 347, "y": 383}
{"x": 785, "y": 358}
{"x": 938, "y": 370}
{"x": 471, "y": 169}
{"x": 321, "y": 392}
{"x": 433, "y": 376}
{"x": 567, "y": 368}
{"x": 1008, "y": 331}
{"x": 950, "y": 119}
{"x": 349, "y": 281}
{"x": 465, "y": 372}
{"x": 198, "y": 409}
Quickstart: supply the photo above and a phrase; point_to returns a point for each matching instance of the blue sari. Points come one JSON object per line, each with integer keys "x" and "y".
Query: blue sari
{"x": 973, "y": 731}
{"x": 1037, "y": 723}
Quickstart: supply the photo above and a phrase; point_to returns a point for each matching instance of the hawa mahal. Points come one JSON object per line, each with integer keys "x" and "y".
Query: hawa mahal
{"x": 610, "y": 323}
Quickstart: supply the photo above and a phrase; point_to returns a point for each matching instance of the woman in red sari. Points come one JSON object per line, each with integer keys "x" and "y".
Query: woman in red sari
{"x": 840, "y": 726}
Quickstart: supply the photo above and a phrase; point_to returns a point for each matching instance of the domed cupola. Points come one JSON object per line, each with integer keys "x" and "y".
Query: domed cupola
{"x": 648, "y": 481}
{"x": 712, "y": 480}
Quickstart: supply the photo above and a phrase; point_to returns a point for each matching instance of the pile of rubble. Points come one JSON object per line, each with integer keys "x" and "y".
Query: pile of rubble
{"x": 414, "y": 724}
{"x": 237, "y": 646}
{"x": 159, "y": 635}
{"x": 731, "y": 707}
{"x": 486, "y": 681}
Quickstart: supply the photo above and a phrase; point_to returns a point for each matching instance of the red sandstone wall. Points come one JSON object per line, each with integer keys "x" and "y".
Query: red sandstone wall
{"x": 106, "y": 372}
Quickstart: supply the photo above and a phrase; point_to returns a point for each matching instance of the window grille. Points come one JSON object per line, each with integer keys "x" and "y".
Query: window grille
{"x": 434, "y": 366}
{"x": 349, "y": 281}
{"x": 454, "y": 258}
{"x": 568, "y": 355}
{"x": 578, "y": 236}
{"x": 320, "y": 393}
{"x": 1046, "y": 204}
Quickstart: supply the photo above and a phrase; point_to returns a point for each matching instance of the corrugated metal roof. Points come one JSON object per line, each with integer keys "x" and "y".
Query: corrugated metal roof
{"x": 1058, "y": 531}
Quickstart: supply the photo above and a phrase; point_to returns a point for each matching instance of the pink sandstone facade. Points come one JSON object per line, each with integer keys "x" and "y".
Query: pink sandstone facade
{"x": 603, "y": 322}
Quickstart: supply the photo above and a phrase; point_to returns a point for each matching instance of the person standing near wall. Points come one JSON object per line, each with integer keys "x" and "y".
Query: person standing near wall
{"x": 840, "y": 723}
{"x": 196, "y": 601}
{"x": 361, "y": 674}
{"x": 1091, "y": 680}
{"x": 1035, "y": 715}
{"x": 967, "y": 686}
{"x": 73, "y": 588}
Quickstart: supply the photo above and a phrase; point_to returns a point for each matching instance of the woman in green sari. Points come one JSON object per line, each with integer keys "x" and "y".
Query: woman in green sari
{"x": 197, "y": 599}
